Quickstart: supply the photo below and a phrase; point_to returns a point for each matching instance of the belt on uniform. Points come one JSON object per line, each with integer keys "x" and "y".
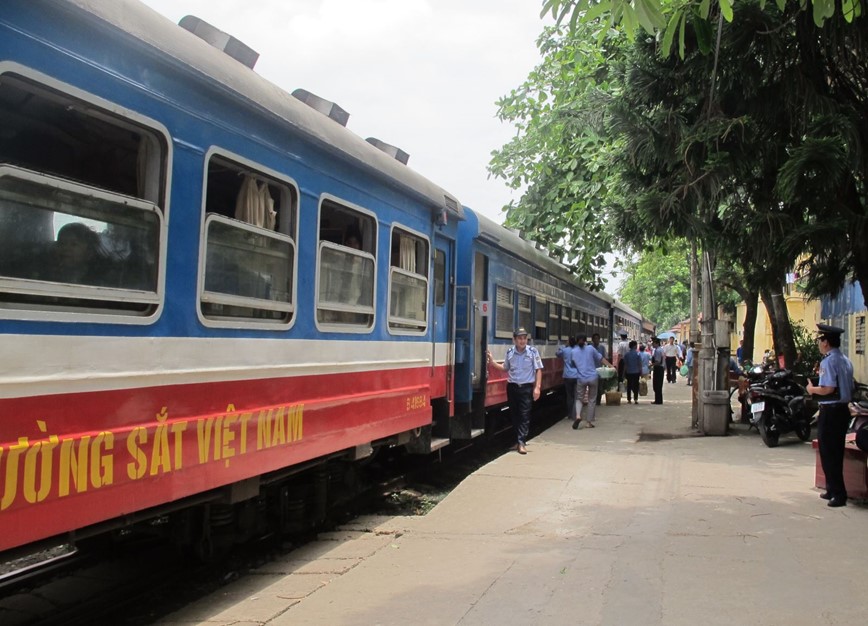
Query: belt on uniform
{"x": 520, "y": 385}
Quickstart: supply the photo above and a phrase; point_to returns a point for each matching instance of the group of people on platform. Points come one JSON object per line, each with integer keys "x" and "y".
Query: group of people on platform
{"x": 523, "y": 365}
{"x": 581, "y": 359}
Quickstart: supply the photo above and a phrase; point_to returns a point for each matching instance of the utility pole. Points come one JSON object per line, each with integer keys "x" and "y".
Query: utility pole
{"x": 714, "y": 400}
{"x": 694, "y": 324}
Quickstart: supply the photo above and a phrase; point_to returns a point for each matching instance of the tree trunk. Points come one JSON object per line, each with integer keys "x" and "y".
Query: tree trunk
{"x": 766, "y": 296}
{"x": 786, "y": 342}
{"x": 751, "y": 309}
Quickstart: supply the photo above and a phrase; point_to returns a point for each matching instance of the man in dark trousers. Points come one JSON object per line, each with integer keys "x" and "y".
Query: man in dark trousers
{"x": 657, "y": 369}
{"x": 523, "y": 365}
{"x": 834, "y": 390}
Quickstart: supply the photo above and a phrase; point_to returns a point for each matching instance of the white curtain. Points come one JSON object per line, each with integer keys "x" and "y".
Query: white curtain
{"x": 254, "y": 204}
{"x": 408, "y": 254}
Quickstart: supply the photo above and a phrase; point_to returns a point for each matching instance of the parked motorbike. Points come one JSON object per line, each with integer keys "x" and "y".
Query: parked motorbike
{"x": 779, "y": 404}
{"x": 751, "y": 375}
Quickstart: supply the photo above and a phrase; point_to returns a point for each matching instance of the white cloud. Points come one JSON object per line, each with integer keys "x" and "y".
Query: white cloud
{"x": 420, "y": 74}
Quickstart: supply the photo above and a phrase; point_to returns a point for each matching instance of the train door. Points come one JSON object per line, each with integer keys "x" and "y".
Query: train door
{"x": 480, "y": 273}
{"x": 443, "y": 333}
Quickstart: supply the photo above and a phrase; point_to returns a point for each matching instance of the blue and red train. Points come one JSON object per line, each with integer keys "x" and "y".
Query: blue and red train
{"x": 208, "y": 284}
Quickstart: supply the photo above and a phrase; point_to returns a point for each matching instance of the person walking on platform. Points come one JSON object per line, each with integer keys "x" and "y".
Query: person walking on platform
{"x": 657, "y": 360}
{"x": 570, "y": 377}
{"x": 834, "y": 390}
{"x": 523, "y": 365}
{"x": 671, "y": 352}
{"x": 632, "y": 372}
{"x": 586, "y": 360}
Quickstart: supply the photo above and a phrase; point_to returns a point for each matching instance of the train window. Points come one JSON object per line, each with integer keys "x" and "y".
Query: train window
{"x": 54, "y": 133}
{"x": 574, "y": 323}
{"x": 554, "y": 321}
{"x": 249, "y": 256}
{"x": 347, "y": 267}
{"x": 68, "y": 247}
{"x": 408, "y": 282}
{"x": 504, "y": 312}
{"x": 439, "y": 277}
{"x": 540, "y": 315}
{"x": 524, "y": 310}
{"x": 80, "y": 225}
{"x": 80, "y": 222}
{"x": 566, "y": 316}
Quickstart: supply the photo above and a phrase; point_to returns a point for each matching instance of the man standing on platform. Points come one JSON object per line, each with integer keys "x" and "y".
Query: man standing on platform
{"x": 835, "y": 390}
{"x": 601, "y": 348}
{"x": 570, "y": 374}
{"x": 671, "y": 352}
{"x": 657, "y": 367}
{"x": 523, "y": 365}
{"x": 623, "y": 348}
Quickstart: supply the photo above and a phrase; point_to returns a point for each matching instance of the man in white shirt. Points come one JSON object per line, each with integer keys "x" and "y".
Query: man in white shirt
{"x": 671, "y": 352}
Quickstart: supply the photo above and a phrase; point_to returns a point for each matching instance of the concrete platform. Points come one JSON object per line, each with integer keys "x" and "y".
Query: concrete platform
{"x": 637, "y": 521}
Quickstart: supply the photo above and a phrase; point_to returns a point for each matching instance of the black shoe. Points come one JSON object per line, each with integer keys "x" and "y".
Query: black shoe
{"x": 837, "y": 501}
{"x": 576, "y": 423}
{"x": 826, "y": 495}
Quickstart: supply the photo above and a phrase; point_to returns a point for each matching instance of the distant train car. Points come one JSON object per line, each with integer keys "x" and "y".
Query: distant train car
{"x": 203, "y": 280}
{"x": 626, "y": 319}
{"x": 505, "y": 282}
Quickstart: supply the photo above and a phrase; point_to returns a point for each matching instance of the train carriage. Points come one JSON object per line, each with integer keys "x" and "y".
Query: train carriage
{"x": 203, "y": 279}
{"x": 505, "y": 282}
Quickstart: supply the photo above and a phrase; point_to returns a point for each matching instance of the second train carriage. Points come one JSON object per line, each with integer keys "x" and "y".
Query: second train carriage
{"x": 521, "y": 286}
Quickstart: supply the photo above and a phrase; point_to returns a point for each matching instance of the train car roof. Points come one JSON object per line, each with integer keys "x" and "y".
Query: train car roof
{"x": 501, "y": 237}
{"x": 623, "y": 307}
{"x": 148, "y": 26}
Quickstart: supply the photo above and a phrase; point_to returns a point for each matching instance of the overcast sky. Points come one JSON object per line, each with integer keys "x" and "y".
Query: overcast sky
{"x": 422, "y": 75}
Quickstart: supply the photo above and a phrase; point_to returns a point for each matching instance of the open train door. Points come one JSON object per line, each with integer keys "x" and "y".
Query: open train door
{"x": 443, "y": 329}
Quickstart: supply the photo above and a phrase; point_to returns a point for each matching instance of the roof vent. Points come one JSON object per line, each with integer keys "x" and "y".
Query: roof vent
{"x": 326, "y": 107}
{"x": 225, "y": 42}
{"x": 393, "y": 151}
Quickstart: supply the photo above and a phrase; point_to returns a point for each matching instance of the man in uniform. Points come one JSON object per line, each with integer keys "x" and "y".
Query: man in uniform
{"x": 523, "y": 365}
{"x": 835, "y": 389}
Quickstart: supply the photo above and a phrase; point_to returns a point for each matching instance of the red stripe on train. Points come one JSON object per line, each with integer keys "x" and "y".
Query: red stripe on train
{"x": 72, "y": 460}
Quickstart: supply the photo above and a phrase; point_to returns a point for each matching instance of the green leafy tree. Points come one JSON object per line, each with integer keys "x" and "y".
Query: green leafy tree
{"x": 561, "y": 154}
{"x": 658, "y": 284}
{"x": 679, "y": 20}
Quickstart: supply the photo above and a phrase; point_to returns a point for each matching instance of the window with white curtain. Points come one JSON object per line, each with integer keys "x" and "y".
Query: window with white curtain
{"x": 408, "y": 281}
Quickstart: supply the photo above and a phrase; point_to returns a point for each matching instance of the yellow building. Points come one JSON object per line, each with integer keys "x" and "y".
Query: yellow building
{"x": 801, "y": 310}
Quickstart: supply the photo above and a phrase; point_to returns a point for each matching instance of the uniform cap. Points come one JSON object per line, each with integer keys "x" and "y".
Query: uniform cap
{"x": 519, "y": 331}
{"x": 826, "y": 330}
{"x": 623, "y": 332}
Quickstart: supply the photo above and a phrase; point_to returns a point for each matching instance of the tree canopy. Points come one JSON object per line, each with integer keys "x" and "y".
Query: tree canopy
{"x": 658, "y": 284}
{"x": 756, "y": 150}
{"x": 671, "y": 19}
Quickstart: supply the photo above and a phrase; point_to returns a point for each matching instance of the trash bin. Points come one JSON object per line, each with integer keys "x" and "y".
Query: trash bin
{"x": 715, "y": 414}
